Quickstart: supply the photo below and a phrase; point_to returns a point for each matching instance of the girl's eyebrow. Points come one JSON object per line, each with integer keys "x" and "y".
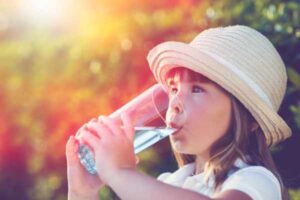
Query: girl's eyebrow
{"x": 202, "y": 79}
{"x": 200, "y": 82}
{"x": 204, "y": 82}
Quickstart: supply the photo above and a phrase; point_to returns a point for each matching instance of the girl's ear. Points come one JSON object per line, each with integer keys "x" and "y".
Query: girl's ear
{"x": 254, "y": 126}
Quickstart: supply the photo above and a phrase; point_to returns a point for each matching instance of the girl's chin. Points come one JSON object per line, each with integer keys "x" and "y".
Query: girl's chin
{"x": 179, "y": 147}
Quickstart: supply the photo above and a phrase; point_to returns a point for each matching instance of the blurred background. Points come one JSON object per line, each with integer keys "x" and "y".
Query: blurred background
{"x": 63, "y": 62}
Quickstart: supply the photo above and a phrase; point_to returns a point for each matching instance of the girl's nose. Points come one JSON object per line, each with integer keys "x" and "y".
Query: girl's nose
{"x": 176, "y": 104}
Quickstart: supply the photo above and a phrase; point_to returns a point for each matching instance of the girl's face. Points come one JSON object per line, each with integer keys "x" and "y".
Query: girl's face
{"x": 200, "y": 109}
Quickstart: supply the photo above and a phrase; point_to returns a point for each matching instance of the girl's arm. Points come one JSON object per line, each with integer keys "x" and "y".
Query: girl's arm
{"x": 115, "y": 163}
{"x": 81, "y": 185}
{"x": 130, "y": 184}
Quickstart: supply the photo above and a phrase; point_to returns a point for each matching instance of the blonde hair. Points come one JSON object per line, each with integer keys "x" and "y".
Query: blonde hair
{"x": 244, "y": 139}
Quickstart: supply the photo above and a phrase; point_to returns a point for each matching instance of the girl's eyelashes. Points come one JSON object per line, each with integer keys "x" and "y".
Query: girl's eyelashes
{"x": 194, "y": 89}
{"x": 197, "y": 89}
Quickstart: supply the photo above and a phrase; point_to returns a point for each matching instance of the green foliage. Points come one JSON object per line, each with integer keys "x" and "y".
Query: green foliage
{"x": 280, "y": 22}
{"x": 55, "y": 77}
{"x": 294, "y": 194}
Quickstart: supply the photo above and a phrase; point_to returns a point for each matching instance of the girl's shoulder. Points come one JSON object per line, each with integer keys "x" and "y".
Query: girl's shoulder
{"x": 163, "y": 176}
{"x": 256, "y": 181}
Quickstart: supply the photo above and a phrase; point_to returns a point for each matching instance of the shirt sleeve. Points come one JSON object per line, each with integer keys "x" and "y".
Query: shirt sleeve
{"x": 162, "y": 177}
{"x": 256, "y": 181}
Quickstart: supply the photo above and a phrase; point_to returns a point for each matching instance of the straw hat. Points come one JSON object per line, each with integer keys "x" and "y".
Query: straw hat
{"x": 242, "y": 61}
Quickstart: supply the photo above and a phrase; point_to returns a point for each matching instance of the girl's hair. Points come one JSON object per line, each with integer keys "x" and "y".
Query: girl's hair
{"x": 240, "y": 141}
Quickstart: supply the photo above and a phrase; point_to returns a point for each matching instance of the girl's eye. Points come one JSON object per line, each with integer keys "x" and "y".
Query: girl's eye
{"x": 197, "y": 89}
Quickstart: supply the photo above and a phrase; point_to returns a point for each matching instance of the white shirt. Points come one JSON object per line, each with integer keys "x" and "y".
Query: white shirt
{"x": 256, "y": 181}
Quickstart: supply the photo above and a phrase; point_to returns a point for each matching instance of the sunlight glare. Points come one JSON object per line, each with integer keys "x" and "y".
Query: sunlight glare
{"x": 44, "y": 11}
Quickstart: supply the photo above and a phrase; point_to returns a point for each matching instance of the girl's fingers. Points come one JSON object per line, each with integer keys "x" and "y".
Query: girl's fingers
{"x": 112, "y": 125}
{"x": 99, "y": 129}
{"x": 128, "y": 126}
{"x": 80, "y": 129}
{"x": 71, "y": 150}
{"x": 85, "y": 126}
{"x": 93, "y": 120}
{"x": 90, "y": 139}
{"x": 137, "y": 160}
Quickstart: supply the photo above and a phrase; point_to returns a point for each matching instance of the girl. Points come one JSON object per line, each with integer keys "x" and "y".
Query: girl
{"x": 224, "y": 88}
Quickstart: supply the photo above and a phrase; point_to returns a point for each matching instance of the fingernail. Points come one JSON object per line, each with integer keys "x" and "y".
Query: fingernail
{"x": 94, "y": 120}
{"x": 71, "y": 137}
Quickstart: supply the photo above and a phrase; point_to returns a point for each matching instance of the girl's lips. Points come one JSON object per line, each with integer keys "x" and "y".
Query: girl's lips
{"x": 176, "y": 132}
{"x": 174, "y": 125}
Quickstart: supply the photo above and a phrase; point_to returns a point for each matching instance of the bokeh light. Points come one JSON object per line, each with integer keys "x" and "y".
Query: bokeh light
{"x": 63, "y": 62}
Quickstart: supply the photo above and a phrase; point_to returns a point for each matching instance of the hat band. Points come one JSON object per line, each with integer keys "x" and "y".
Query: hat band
{"x": 242, "y": 75}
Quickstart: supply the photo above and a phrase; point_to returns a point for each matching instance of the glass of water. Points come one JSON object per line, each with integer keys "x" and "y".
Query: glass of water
{"x": 146, "y": 112}
{"x": 144, "y": 138}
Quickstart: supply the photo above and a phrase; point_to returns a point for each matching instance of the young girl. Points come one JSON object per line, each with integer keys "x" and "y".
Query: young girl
{"x": 224, "y": 88}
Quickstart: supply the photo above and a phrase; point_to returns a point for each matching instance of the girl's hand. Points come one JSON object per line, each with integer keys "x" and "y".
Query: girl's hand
{"x": 81, "y": 184}
{"x": 112, "y": 145}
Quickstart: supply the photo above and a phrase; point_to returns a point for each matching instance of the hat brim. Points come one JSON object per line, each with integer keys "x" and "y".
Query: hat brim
{"x": 169, "y": 55}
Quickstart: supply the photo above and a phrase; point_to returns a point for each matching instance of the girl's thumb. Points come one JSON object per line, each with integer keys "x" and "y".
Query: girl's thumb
{"x": 137, "y": 160}
{"x": 71, "y": 150}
